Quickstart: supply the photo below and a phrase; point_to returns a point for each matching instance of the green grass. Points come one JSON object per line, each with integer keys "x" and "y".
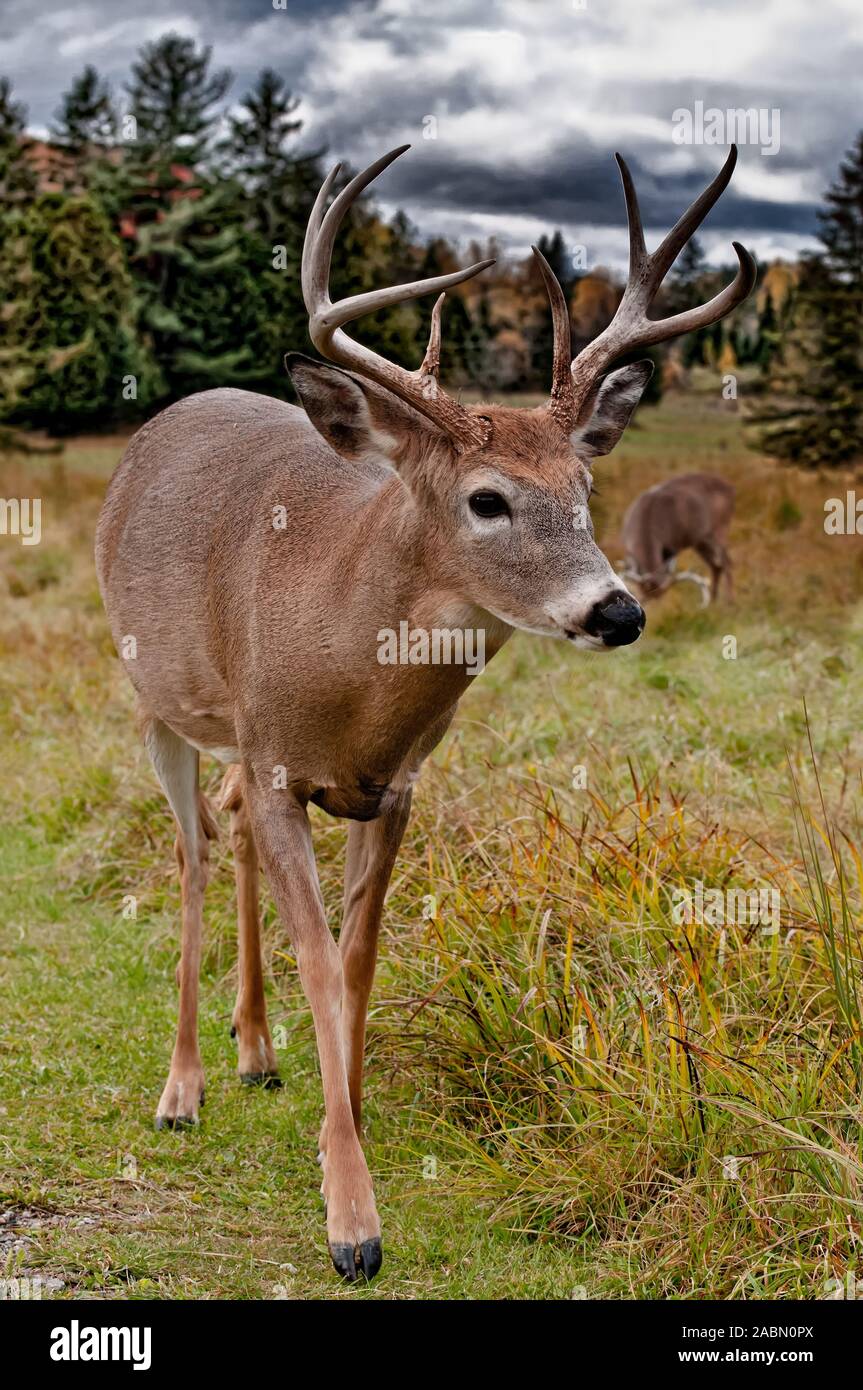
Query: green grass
{"x": 559, "y": 1073}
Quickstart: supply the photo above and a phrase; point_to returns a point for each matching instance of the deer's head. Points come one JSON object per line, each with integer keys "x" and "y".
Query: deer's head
{"x": 504, "y": 493}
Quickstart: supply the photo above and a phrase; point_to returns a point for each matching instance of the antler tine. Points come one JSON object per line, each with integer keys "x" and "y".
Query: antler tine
{"x": 561, "y": 376}
{"x": 326, "y": 318}
{"x": 323, "y": 227}
{"x": 637, "y": 248}
{"x": 716, "y": 308}
{"x": 328, "y": 322}
{"x": 631, "y": 328}
{"x": 316, "y": 218}
{"x": 431, "y": 361}
{"x": 669, "y": 249}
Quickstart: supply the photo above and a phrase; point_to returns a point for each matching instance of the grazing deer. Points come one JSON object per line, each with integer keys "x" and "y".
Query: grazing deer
{"x": 690, "y": 512}
{"x": 255, "y": 551}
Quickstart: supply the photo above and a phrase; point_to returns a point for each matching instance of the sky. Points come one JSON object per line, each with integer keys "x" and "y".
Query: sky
{"x": 514, "y": 108}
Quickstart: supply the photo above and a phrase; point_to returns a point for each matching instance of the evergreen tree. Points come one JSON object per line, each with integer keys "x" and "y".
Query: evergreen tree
{"x": 277, "y": 186}
{"x": 85, "y": 123}
{"x": 478, "y": 348}
{"x": 78, "y": 360}
{"x": 200, "y": 305}
{"x": 17, "y": 190}
{"x": 280, "y": 183}
{"x": 172, "y": 99}
{"x": 172, "y": 95}
{"x": 17, "y": 178}
{"x": 809, "y": 410}
{"x": 684, "y": 275}
{"x": 458, "y": 340}
{"x": 187, "y": 228}
{"x": 555, "y": 250}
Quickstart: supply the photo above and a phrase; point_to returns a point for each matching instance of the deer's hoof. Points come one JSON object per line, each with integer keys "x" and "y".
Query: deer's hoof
{"x": 176, "y": 1121}
{"x": 351, "y": 1261}
{"x": 176, "y": 1110}
{"x": 269, "y": 1080}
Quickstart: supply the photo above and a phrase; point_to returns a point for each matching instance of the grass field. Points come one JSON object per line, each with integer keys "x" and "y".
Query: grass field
{"x": 571, "y": 1093}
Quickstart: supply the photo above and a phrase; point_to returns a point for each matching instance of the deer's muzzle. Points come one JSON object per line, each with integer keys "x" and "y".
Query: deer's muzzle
{"x": 617, "y": 620}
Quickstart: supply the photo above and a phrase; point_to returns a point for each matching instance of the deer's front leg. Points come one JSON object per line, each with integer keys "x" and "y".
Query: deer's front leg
{"x": 371, "y": 854}
{"x": 282, "y": 833}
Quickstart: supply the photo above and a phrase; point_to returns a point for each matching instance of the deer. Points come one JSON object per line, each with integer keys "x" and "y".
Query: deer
{"x": 254, "y": 550}
{"x": 691, "y": 511}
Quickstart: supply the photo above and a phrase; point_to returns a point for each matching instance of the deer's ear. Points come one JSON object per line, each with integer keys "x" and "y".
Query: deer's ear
{"x": 356, "y": 417}
{"x": 334, "y": 402}
{"x": 609, "y": 409}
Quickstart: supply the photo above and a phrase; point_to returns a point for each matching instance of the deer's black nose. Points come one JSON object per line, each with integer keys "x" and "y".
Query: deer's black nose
{"x": 617, "y": 619}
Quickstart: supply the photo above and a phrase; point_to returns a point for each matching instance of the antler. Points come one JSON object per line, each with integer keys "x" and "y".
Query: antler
{"x": 572, "y": 386}
{"x": 677, "y": 577}
{"x": 562, "y": 390}
{"x": 418, "y": 389}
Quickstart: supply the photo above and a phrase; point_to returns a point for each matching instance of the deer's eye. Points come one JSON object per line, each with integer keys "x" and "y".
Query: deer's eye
{"x": 488, "y": 504}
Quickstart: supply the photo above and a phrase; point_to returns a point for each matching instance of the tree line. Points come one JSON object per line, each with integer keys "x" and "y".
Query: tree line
{"x": 806, "y": 408}
{"x": 153, "y": 251}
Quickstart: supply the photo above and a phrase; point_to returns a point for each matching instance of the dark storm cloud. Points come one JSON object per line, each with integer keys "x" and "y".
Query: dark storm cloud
{"x": 531, "y": 99}
{"x": 574, "y": 188}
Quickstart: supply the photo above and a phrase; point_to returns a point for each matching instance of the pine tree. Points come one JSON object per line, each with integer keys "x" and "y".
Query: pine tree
{"x": 685, "y": 275}
{"x": 276, "y": 187}
{"x": 280, "y": 183}
{"x": 479, "y": 343}
{"x": 555, "y": 250}
{"x": 187, "y": 226}
{"x": 809, "y": 410}
{"x": 172, "y": 94}
{"x": 172, "y": 98}
{"x": 203, "y": 306}
{"x": 457, "y": 336}
{"x": 85, "y": 124}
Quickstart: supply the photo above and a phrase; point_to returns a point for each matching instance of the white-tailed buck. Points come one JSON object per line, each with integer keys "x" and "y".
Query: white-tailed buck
{"x": 690, "y": 512}
{"x": 256, "y": 551}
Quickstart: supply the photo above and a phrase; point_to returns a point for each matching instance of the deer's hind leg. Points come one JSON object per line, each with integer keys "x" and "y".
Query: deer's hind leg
{"x": 256, "y": 1057}
{"x": 175, "y": 763}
